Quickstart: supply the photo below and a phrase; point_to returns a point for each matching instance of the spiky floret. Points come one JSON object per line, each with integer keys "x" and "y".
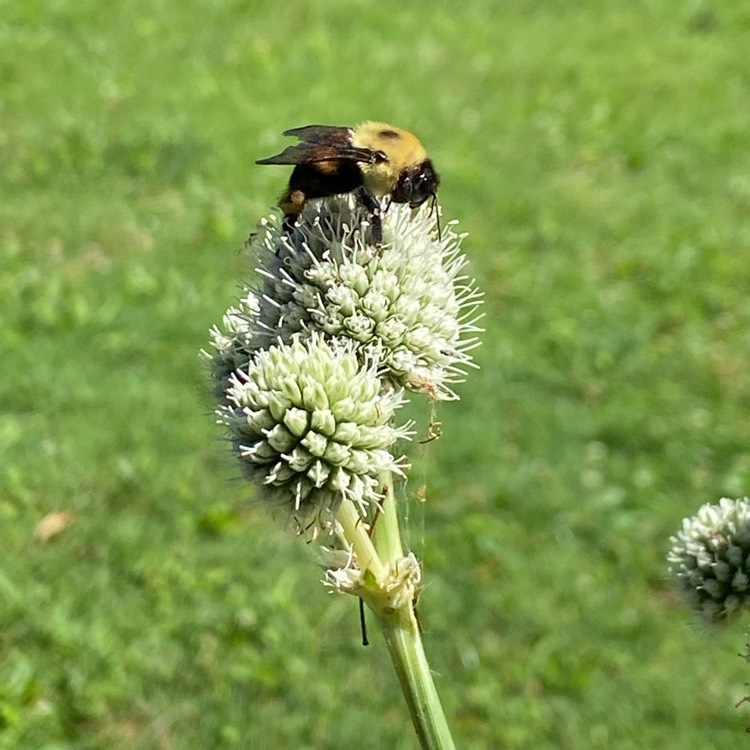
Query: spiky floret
{"x": 232, "y": 342}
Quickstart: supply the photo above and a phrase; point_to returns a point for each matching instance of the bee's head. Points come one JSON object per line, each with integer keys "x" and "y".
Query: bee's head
{"x": 416, "y": 184}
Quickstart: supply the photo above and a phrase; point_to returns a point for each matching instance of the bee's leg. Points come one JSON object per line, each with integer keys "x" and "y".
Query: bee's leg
{"x": 436, "y": 208}
{"x": 288, "y": 223}
{"x": 291, "y": 203}
{"x": 371, "y": 203}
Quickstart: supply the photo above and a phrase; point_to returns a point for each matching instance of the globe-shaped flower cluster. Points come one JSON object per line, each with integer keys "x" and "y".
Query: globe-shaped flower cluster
{"x": 710, "y": 558}
{"x": 312, "y": 427}
{"x": 408, "y": 304}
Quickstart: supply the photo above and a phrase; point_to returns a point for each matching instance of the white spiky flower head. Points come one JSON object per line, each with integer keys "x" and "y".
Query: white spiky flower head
{"x": 409, "y": 303}
{"x": 710, "y": 558}
{"x": 314, "y": 428}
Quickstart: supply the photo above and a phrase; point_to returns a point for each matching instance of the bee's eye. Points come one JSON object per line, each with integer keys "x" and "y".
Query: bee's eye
{"x": 379, "y": 157}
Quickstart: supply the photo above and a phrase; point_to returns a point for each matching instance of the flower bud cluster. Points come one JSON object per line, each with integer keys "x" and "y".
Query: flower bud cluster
{"x": 710, "y": 558}
{"x": 407, "y": 304}
{"x": 312, "y": 427}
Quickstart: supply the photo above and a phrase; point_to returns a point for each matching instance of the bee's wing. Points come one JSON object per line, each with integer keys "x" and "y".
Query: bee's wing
{"x": 320, "y": 143}
{"x": 328, "y": 134}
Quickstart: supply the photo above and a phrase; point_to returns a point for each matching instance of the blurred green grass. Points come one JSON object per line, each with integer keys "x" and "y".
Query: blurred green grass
{"x": 598, "y": 155}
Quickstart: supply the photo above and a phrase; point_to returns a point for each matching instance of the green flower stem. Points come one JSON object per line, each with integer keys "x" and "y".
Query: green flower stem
{"x": 386, "y": 533}
{"x": 405, "y": 646}
{"x": 355, "y": 534}
{"x": 378, "y": 558}
{"x": 401, "y": 632}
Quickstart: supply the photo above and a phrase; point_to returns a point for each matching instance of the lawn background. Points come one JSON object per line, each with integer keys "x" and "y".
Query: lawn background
{"x": 598, "y": 153}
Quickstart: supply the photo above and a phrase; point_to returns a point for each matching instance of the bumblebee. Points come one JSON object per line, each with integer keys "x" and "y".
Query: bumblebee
{"x": 370, "y": 160}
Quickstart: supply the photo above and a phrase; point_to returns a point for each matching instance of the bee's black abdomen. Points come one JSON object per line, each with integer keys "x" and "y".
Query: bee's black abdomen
{"x": 309, "y": 181}
{"x": 325, "y": 179}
